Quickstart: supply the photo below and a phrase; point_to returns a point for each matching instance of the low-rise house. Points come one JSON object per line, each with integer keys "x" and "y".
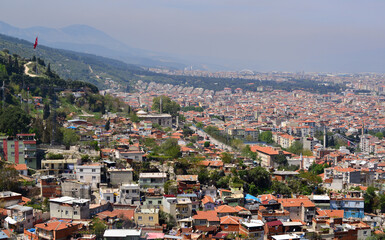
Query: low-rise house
{"x": 19, "y": 218}
{"x": 152, "y": 180}
{"x": 8, "y": 198}
{"x": 120, "y": 176}
{"x": 187, "y": 182}
{"x": 109, "y": 194}
{"x": 208, "y": 203}
{"x": 146, "y": 217}
{"x": 129, "y": 194}
{"x": 57, "y": 229}
{"x": 352, "y": 204}
{"x": 153, "y": 202}
{"x": 253, "y": 229}
{"x": 76, "y": 189}
{"x": 89, "y": 173}
{"x": 50, "y": 187}
{"x": 183, "y": 208}
{"x": 210, "y": 191}
{"x": 69, "y": 207}
{"x": 206, "y": 218}
{"x": 230, "y": 224}
{"x": 299, "y": 208}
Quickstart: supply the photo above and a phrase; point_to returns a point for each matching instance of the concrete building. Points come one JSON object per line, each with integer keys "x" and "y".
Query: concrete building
{"x": 69, "y": 207}
{"x": 152, "y": 180}
{"x": 19, "y": 217}
{"x": 73, "y": 188}
{"x": 90, "y": 173}
{"x": 8, "y": 198}
{"x": 119, "y": 176}
{"x": 146, "y": 217}
{"x": 20, "y": 149}
{"x": 129, "y": 194}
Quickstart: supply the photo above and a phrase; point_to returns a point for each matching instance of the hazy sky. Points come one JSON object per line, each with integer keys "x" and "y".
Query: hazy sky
{"x": 264, "y": 35}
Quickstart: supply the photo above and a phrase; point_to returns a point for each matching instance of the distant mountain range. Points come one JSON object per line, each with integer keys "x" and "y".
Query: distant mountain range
{"x": 86, "y": 39}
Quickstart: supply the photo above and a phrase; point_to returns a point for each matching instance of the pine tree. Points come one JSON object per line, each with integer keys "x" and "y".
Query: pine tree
{"x": 107, "y": 127}
{"x": 46, "y": 111}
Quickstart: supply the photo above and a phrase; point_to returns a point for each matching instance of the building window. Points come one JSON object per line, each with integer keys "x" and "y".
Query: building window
{"x": 75, "y": 212}
{"x": 151, "y": 219}
{"x": 66, "y": 212}
{"x": 93, "y": 170}
{"x": 81, "y": 170}
{"x": 226, "y": 226}
{"x": 81, "y": 177}
{"x": 140, "y": 218}
{"x": 93, "y": 177}
{"x": 150, "y": 202}
{"x": 134, "y": 191}
{"x": 108, "y": 198}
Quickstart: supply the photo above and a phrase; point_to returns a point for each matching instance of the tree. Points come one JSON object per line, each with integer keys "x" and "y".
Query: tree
{"x": 280, "y": 160}
{"x": 281, "y": 188}
{"x": 266, "y": 137}
{"x": 9, "y": 180}
{"x": 296, "y": 148}
{"x": 380, "y": 135}
{"x": 246, "y": 152}
{"x": 257, "y": 176}
{"x": 168, "y": 219}
{"x": 46, "y": 111}
{"x": 70, "y": 137}
{"x": 370, "y": 200}
{"x": 170, "y": 187}
{"x": 134, "y": 118}
{"x": 206, "y": 144}
{"x": 171, "y": 148}
{"x": 226, "y": 157}
{"x": 14, "y": 120}
{"x": 318, "y": 168}
{"x": 98, "y": 227}
{"x": 199, "y": 125}
{"x": 107, "y": 126}
{"x": 168, "y": 106}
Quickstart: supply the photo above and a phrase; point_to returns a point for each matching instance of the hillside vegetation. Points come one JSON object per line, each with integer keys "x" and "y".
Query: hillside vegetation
{"x": 40, "y": 104}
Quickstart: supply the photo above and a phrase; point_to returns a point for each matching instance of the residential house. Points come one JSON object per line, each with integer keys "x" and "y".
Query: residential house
{"x": 69, "y": 207}
{"x": 152, "y": 180}
{"x": 146, "y": 217}
{"x": 89, "y": 173}
{"x": 57, "y": 229}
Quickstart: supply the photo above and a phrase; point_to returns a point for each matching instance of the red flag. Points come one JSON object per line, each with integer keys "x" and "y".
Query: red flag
{"x": 35, "y": 45}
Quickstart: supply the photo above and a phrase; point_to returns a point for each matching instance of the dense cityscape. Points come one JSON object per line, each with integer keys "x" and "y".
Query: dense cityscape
{"x": 192, "y": 120}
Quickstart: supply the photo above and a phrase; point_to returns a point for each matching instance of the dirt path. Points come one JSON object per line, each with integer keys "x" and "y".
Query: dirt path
{"x": 26, "y": 70}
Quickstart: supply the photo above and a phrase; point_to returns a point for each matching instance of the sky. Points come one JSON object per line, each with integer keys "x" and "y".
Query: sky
{"x": 261, "y": 35}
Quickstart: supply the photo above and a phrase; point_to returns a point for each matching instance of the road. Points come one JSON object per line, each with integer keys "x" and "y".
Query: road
{"x": 211, "y": 139}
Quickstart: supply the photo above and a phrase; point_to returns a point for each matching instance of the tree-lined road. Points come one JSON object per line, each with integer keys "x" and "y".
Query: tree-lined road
{"x": 211, "y": 139}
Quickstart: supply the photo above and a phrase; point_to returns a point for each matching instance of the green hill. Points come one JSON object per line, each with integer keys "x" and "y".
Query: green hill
{"x": 73, "y": 65}
{"x": 40, "y": 103}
